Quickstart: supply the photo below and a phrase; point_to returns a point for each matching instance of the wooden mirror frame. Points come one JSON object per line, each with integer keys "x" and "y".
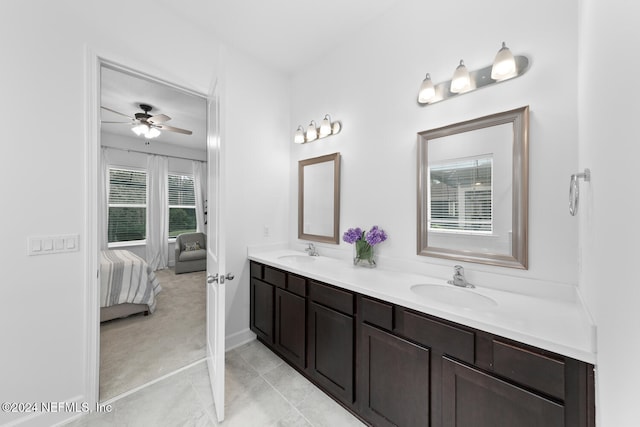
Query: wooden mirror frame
{"x": 335, "y": 158}
{"x": 518, "y": 258}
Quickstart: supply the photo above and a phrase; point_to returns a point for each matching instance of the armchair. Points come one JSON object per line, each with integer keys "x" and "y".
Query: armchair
{"x": 191, "y": 252}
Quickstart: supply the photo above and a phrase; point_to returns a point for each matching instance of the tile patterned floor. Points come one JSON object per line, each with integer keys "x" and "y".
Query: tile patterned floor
{"x": 261, "y": 390}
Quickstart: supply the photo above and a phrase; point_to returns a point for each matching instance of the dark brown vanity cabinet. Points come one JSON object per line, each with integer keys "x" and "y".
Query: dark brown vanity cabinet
{"x": 330, "y": 338}
{"x": 392, "y": 366}
{"x": 262, "y": 305}
{"x": 278, "y": 311}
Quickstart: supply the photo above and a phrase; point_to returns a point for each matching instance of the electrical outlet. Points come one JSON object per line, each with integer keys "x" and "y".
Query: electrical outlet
{"x": 265, "y": 231}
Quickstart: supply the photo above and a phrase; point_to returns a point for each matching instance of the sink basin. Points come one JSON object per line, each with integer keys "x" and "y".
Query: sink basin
{"x": 451, "y": 295}
{"x": 302, "y": 259}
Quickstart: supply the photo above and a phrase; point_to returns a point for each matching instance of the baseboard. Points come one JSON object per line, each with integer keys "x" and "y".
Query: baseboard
{"x": 239, "y": 338}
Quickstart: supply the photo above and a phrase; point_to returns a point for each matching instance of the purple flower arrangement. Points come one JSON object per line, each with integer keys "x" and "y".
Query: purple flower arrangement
{"x": 364, "y": 243}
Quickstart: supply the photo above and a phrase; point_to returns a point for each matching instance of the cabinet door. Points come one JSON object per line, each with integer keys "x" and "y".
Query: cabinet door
{"x": 474, "y": 398}
{"x": 331, "y": 351}
{"x": 393, "y": 385}
{"x": 262, "y": 314}
{"x": 291, "y": 327}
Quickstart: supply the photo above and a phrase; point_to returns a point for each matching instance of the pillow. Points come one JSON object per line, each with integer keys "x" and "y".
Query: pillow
{"x": 191, "y": 246}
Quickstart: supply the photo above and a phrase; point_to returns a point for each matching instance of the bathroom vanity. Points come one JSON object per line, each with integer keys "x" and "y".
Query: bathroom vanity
{"x": 395, "y": 359}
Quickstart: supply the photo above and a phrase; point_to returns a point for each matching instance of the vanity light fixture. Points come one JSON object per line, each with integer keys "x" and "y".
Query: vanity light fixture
{"x": 427, "y": 90}
{"x": 327, "y": 128}
{"x": 505, "y": 66}
{"x": 461, "y": 80}
{"x": 312, "y": 132}
{"x": 299, "y": 136}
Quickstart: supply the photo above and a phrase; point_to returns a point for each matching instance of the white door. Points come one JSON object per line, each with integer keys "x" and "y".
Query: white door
{"x": 216, "y": 274}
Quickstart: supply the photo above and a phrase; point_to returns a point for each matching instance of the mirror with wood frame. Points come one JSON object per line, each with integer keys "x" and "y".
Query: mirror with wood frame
{"x": 319, "y": 198}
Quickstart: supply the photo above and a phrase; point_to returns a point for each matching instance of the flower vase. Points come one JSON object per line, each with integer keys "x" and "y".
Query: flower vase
{"x": 363, "y": 254}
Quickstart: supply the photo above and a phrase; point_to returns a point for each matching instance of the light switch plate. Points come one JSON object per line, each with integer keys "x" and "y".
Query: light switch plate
{"x": 45, "y": 245}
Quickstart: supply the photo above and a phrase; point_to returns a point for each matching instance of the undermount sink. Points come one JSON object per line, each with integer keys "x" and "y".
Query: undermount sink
{"x": 302, "y": 259}
{"x": 455, "y": 296}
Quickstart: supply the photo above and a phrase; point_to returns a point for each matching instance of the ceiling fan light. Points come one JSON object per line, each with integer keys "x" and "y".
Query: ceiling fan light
{"x": 152, "y": 133}
{"x": 504, "y": 65}
{"x": 461, "y": 80}
{"x": 141, "y": 129}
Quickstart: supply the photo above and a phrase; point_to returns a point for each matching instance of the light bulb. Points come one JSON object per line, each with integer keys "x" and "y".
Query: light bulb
{"x": 460, "y": 80}
{"x": 299, "y": 136}
{"x": 325, "y": 127}
{"x": 312, "y": 132}
{"x": 427, "y": 91}
{"x": 504, "y": 66}
{"x": 152, "y": 133}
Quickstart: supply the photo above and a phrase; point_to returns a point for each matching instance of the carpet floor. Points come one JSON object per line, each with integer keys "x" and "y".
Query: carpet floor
{"x": 139, "y": 349}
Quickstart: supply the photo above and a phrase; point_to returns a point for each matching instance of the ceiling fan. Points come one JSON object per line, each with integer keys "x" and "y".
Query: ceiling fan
{"x": 144, "y": 124}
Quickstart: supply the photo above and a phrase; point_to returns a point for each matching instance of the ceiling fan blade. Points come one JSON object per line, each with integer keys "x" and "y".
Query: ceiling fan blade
{"x": 116, "y": 112}
{"x": 158, "y": 118}
{"x": 173, "y": 129}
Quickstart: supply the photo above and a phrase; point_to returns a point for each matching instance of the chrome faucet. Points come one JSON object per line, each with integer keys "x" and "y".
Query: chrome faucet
{"x": 312, "y": 250}
{"x": 459, "y": 279}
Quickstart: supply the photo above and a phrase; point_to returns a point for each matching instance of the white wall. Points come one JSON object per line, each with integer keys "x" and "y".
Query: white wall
{"x": 370, "y": 83}
{"x": 609, "y": 231}
{"x": 255, "y": 124}
{"x": 42, "y": 81}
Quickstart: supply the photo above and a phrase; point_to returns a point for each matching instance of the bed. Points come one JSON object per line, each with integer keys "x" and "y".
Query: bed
{"x": 127, "y": 285}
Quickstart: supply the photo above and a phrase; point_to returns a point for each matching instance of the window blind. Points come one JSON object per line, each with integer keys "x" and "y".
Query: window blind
{"x": 127, "y": 205}
{"x": 182, "y": 204}
{"x": 461, "y": 196}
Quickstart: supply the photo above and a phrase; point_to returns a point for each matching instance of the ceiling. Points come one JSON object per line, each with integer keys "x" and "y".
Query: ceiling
{"x": 287, "y": 35}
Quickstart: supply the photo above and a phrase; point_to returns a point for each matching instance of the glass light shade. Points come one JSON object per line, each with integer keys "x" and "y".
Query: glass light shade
{"x": 140, "y": 129}
{"x": 312, "y": 131}
{"x": 152, "y": 133}
{"x": 299, "y": 136}
{"x": 325, "y": 127}
{"x": 504, "y": 66}
{"x": 460, "y": 80}
{"x": 427, "y": 90}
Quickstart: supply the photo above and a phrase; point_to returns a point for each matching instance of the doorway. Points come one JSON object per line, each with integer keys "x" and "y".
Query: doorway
{"x": 137, "y": 349}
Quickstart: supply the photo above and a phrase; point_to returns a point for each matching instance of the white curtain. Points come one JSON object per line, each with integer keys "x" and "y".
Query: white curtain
{"x": 200, "y": 189}
{"x": 157, "y": 212}
{"x": 103, "y": 211}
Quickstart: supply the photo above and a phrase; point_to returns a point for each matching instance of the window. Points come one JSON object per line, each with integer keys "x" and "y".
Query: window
{"x": 182, "y": 205}
{"x": 127, "y": 205}
{"x": 461, "y": 196}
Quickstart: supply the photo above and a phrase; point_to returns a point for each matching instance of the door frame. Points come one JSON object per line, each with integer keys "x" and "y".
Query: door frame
{"x": 93, "y": 64}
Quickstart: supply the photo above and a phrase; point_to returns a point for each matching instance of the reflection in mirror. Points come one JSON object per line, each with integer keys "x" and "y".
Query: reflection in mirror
{"x": 319, "y": 198}
{"x": 472, "y": 190}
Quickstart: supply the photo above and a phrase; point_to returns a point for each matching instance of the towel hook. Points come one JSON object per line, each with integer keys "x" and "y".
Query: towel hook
{"x": 574, "y": 190}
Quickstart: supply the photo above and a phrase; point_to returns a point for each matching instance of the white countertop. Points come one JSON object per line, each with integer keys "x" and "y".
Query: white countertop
{"x": 560, "y": 326}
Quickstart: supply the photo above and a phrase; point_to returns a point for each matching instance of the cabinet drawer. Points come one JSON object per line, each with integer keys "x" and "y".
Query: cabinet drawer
{"x": 449, "y": 339}
{"x": 529, "y": 368}
{"x": 334, "y": 298}
{"x": 275, "y": 277}
{"x": 256, "y": 270}
{"x": 297, "y": 285}
{"x": 376, "y": 313}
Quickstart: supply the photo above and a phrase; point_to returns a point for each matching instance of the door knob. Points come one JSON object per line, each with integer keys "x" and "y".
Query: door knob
{"x": 212, "y": 279}
{"x": 229, "y": 276}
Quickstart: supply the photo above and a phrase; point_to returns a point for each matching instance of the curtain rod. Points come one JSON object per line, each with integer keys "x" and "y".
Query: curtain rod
{"x": 129, "y": 150}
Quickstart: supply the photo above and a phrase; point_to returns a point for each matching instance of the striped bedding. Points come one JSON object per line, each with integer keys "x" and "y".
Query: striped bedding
{"x": 126, "y": 278}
